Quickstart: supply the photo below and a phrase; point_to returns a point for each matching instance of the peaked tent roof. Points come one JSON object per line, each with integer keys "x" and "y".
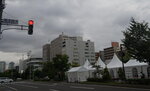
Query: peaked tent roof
{"x": 100, "y": 63}
{"x": 134, "y": 62}
{"x": 78, "y": 69}
{"x": 115, "y": 62}
{"x": 87, "y": 65}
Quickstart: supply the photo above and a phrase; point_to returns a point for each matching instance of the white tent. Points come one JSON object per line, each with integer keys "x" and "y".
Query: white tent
{"x": 100, "y": 63}
{"x": 115, "y": 62}
{"x": 88, "y": 65}
{"x": 80, "y": 74}
{"x": 77, "y": 74}
{"x": 134, "y": 62}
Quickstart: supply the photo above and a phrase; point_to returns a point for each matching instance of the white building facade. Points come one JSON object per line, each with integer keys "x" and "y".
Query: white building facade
{"x": 2, "y": 66}
{"x": 74, "y": 47}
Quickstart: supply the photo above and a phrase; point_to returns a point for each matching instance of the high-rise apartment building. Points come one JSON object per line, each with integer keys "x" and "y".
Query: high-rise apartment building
{"x": 109, "y": 52}
{"x": 77, "y": 50}
{"x": 11, "y": 65}
{"x": 46, "y": 52}
{"x": 2, "y": 66}
{"x": 22, "y": 65}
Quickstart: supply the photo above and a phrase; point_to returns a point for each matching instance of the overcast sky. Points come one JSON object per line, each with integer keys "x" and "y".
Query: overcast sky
{"x": 101, "y": 21}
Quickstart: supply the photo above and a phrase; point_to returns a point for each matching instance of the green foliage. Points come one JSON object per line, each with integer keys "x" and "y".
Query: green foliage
{"x": 121, "y": 74}
{"x": 38, "y": 74}
{"x": 56, "y": 69}
{"x": 125, "y": 58}
{"x": 105, "y": 74}
{"x": 96, "y": 80}
{"x": 75, "y": 64}
{"x": 61, "y": 63}
{"x": 49, "y": 69}
{"x": 11, "y": 74}
{"x": 97, "y": 72}
{"x": 138, "y": 81}
{"x": 137, "y": 40}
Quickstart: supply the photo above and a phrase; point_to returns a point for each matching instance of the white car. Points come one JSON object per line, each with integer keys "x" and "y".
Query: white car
{"x": 5, "y": 80}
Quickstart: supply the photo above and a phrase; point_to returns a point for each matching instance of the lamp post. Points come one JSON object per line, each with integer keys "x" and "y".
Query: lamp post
{"x": 29, "y": 59}
{"x": 122, "y": 55}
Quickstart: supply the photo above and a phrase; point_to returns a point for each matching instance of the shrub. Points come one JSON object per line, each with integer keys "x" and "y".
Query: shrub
{"x": 138, "y": 81}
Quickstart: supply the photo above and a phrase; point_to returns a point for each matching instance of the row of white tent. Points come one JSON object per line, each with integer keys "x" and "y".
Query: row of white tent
{"x": 81, "y": 73}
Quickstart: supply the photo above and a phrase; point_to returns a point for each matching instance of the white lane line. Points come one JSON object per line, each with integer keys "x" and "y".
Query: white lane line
{"x": 82, "y": 87}
{"x": 53, "y": 90}
{"x": 11, "y": 88}
{"x": 26, "y": 86}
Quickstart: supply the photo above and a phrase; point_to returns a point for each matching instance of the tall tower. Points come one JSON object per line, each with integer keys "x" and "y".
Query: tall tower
{"x": 2, "y": 66}
{"x": 11, "y": 65}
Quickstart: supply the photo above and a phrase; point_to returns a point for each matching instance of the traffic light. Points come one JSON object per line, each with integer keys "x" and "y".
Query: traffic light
{"x": 30, "y": 27}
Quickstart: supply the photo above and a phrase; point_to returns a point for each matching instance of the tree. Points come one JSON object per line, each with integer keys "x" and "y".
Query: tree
{"x": 105, "y": 74}
{"x": 75, "y": 64}
{"x": 56, "y": 68}
{"x": 137, "y": 40}
{"x": 125, "y": 57}
{"x": 61, "y": 66}
{"x": 121, "y": 74}
{"x": 49, "y": 69}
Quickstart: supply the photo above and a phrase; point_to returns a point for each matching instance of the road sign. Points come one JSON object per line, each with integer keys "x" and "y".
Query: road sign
{"x": 9, "y": 22}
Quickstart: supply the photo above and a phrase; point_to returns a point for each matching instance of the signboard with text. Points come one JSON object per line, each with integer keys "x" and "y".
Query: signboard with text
{"x": 9, "y": 22}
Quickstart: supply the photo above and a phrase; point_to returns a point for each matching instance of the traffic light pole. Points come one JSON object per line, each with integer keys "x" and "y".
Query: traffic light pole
{"x": 1, "y": 12}
{"x": 21, "y": 27}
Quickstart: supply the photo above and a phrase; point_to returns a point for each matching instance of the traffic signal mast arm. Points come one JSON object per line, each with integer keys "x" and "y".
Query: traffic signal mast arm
{"x": 22, "y": 27}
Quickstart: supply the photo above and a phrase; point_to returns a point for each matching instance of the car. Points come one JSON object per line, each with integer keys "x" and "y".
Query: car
{"x": 5, "y": 80}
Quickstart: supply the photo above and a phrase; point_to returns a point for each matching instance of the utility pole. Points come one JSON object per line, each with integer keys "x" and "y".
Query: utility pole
{"x": 2, "y": 6}
{"x": 122, "y": 55}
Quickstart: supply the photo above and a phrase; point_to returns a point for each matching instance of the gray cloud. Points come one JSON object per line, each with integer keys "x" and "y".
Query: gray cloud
{"x": 101, "y": 21}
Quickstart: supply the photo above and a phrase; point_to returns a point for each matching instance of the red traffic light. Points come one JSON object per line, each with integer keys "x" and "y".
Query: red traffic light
{"x": 30, "y": 27}
{"x": 30, "y": 22}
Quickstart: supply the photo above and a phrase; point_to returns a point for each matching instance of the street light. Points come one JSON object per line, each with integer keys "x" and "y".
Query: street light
{"x": 122, "y": 55}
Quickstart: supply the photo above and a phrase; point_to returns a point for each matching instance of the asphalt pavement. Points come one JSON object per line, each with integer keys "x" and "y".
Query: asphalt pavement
{"x": 45, "y": 86}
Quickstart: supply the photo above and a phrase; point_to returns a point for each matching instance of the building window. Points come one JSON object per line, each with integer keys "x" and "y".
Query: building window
{"x": 86, "y": 53}
{"x": 148, "y": 72}
{"x": 135, "y": 73}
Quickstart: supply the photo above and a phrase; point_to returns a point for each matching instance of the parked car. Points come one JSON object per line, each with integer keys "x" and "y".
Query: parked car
{"x": 5, "y": 80}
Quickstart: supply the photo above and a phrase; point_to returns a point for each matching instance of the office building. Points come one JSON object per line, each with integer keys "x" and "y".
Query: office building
{"x": 36, "y": 63}
{"x": 46, "y": 52}
{"x": 109, "y": 52}
{"x": 77, "y": 50}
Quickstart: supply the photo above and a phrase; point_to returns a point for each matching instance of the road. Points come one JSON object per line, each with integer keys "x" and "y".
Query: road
{"x": 41, "y": 86}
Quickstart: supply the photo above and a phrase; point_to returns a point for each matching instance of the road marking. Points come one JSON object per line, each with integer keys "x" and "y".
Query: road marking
{"x": 26, "y": 86}
{"x": 11, "y": 88}
{"x": 53, "y": 90}
{"x": 81, "y": 87}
